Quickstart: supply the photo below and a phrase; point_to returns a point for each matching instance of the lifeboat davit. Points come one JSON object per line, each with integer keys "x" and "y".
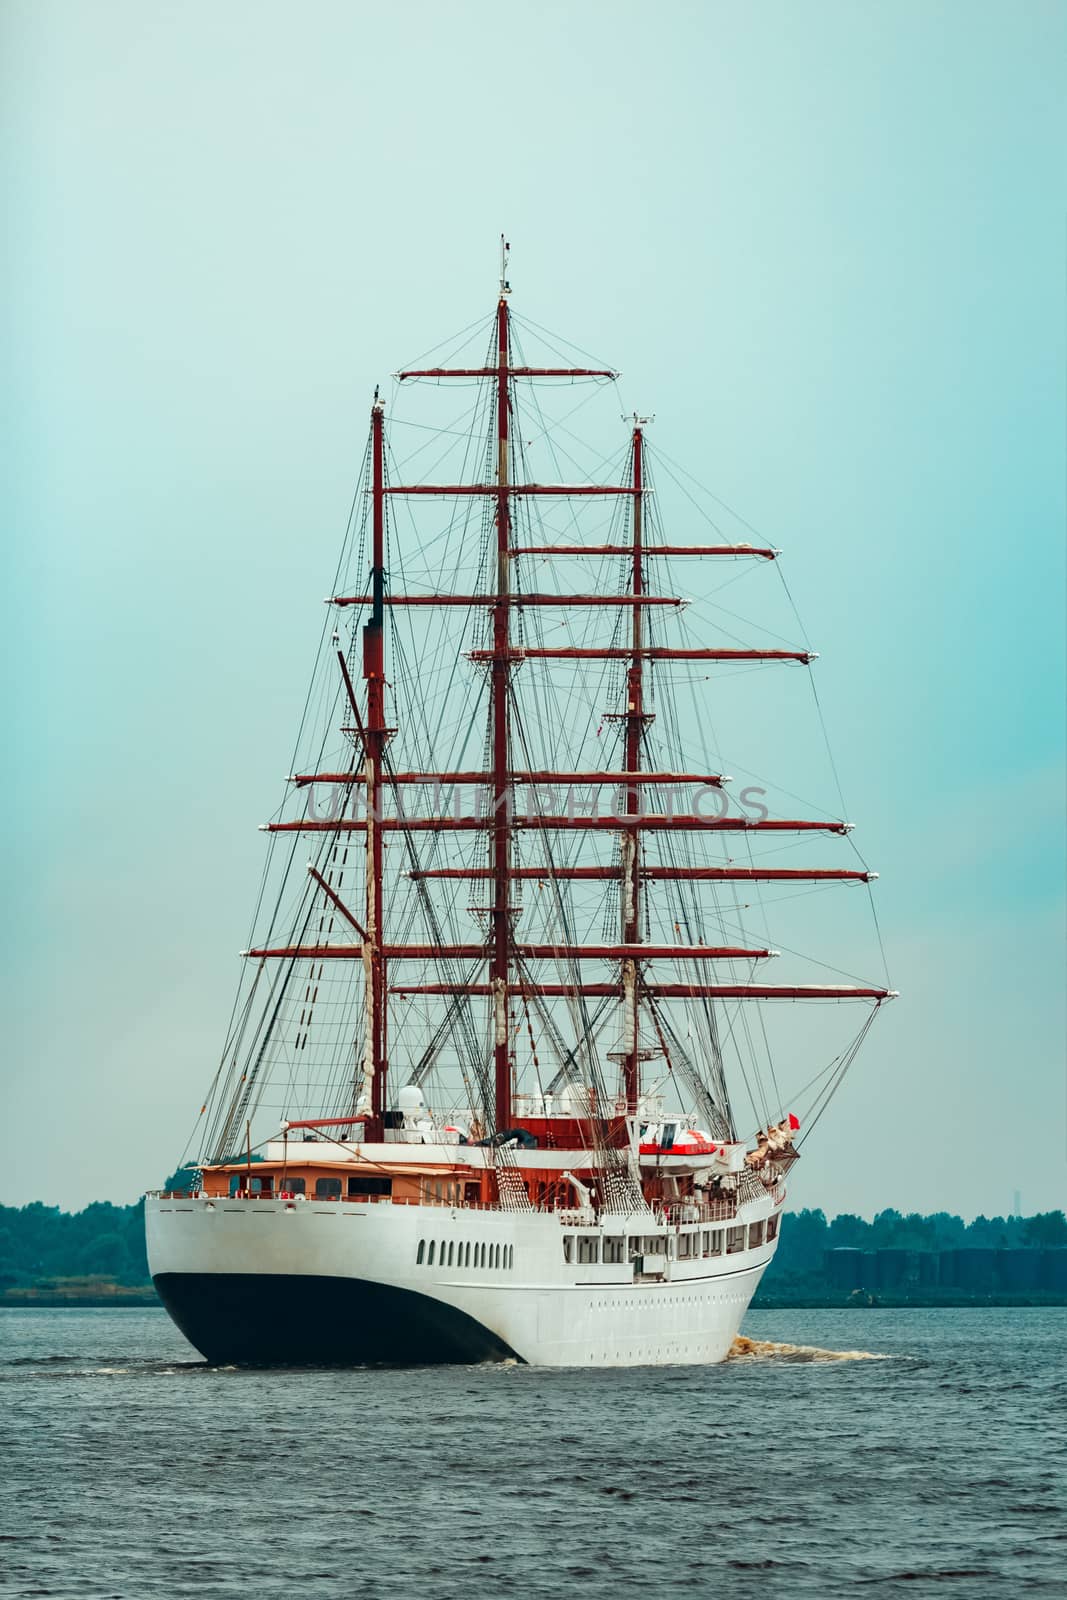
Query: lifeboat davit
{"x": 670, "y": 1140}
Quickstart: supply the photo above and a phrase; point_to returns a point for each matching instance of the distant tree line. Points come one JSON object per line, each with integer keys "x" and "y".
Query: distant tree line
{"x": 39, "y": 1243}
{"x": 806, "y": 1235}
{"x": 916, "y": 1260}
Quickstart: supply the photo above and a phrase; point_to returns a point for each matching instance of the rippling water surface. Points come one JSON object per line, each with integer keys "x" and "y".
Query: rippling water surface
{"x": 801, "y": 1467}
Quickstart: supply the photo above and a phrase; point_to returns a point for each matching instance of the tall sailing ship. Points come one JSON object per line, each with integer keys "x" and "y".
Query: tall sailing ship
{"x": 475, "y": 1098}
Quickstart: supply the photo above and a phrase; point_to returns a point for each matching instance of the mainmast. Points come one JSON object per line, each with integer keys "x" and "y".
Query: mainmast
{"x": 499, "y": 689}
{"x": 634, "y": 729}
{"x": 375, "y": 735}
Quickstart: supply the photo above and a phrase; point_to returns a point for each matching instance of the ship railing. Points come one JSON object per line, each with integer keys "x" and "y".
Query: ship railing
{"x": 682, "y": 1211}
{"x": 289, "y": 1195}
{"x": 673, "y": 1215}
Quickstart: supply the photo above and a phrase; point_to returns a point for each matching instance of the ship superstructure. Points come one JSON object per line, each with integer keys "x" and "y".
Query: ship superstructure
{"x": 475, "y": 1099}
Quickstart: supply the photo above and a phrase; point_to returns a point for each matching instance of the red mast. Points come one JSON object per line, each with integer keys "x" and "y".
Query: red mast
{"x": 630, "y": 843}
{"x": 500, "y": 831}
{"x": 374, "y": 1059}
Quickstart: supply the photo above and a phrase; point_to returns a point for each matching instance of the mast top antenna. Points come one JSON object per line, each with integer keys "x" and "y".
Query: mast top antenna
{"x": 638, "y": 421}
{"x": 505, "y": 253}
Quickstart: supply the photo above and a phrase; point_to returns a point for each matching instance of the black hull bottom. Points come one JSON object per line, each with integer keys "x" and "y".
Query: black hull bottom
{"x": 278, "y": 1320}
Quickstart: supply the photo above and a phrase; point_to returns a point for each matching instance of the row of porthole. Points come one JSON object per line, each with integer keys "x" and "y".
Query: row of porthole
{"x": 462, "y": 1253}
{"x": 643, "y": 1301}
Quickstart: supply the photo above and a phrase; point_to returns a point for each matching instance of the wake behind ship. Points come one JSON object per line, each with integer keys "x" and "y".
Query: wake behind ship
{"x": 532, "y": 904}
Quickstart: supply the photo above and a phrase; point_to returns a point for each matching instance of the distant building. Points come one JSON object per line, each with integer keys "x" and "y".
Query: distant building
{"x": 977, "y": 1271}
{"x": 844, "y": 1269}
{"x": 929, "y": 1268}
{"x": 896, "y": 1269}
{"x": 1054, "y": 1270}
{"x": 974, "y": 1269}
{"x": 1019, "y": 1270}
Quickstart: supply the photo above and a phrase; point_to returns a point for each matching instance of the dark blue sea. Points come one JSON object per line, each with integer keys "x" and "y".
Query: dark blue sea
{"x": 929, "y": 1460}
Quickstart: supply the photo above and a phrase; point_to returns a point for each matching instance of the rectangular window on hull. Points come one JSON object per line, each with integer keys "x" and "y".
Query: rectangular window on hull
{"x": 291, "y": 1186}
{"x": 772, "y": 1228}
{"x": 613, "y": 1250}
{"x": 716, "y": 1242}
{"x": 429, "y": 1258}
{"x": 568, "y": 1247}
{"x": 755, "y": 1234}
{"x": 588, "y": 1251}
{"x": 735, "y": 1240}
{"x": 684, "y": 1246}
{"x": 328, "y": 1189}
{"x": 421, "y": 1253}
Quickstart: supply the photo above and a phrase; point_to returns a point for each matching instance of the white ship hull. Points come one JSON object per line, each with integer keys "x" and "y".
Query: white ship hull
{"x": 281, "y": 1281}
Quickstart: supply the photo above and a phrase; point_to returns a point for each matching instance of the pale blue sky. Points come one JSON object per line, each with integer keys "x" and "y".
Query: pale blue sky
{"x": 826, "y": 244}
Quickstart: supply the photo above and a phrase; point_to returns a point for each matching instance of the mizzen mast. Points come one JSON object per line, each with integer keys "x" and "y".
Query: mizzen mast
{"x": 375, "y": 735}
